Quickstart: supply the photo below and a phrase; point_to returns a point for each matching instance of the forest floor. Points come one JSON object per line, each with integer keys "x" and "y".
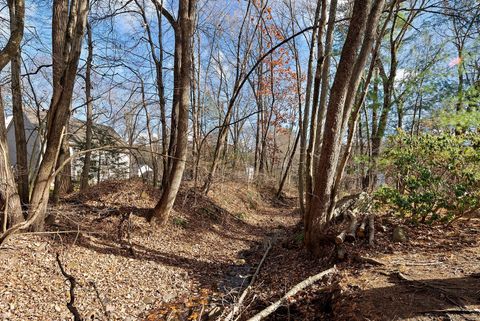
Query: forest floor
{"x": 126, "y": 269}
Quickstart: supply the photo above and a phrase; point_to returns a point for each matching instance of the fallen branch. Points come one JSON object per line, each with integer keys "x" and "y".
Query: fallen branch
{"x": 297, "y": 288}
{"x": 417, "y": 263}
{"x": 238, "y": 305}
{"x": 70, "y": 305}
{"x": 453, "y": 311}
{"x": 371, "y": 260}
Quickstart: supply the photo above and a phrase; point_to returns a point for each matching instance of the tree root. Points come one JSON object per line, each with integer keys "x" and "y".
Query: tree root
{"x": 70, "y": 305}
{"x": 452, "y": 298}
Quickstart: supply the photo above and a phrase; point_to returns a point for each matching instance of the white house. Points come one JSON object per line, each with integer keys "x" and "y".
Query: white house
{"x": 105, "y": 163}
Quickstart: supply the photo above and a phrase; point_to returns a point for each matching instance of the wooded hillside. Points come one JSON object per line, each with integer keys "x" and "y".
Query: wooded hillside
{"x": 239, "y": 160}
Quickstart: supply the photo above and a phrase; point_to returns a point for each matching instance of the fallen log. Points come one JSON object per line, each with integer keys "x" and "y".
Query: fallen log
{"x": 297, "y": 288}
{"x": 371, "y": 229}
{"x": 347, "y": 236}
{"x": 352, "y": 228}
{"x": 362, "y": 228}
{"x": 341, "y": 237}
{"x": 344, "y": 204}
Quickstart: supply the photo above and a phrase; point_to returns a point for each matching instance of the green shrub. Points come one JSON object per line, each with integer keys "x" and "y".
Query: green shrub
{"x": 432, "y": 176}
{"x": 180, "y": 222}
{"x": 242, "y": 216}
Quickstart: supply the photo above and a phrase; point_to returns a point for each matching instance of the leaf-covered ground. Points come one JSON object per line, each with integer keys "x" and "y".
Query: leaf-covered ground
{"x": 124, "y": 267}
{"x": 197, "y": 266}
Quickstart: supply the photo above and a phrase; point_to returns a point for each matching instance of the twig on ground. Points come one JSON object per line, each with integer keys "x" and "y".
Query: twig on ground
{"x": 300, "y": 286}
{"x": 453, "y": 311}
{"x": 70, "y": 305}
{"x": 97, "y": 293}
{"x": 418, "y": 263}
{"x": 371, "y": 260}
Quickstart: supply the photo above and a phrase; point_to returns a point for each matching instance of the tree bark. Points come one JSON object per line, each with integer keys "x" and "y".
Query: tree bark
{"x": 325, "y": 79}
{"x": 9, "y": 198}
{"x": 17, "y": 15}
{"x": 10, "y": 207}
{"x": 63, "y": 181}
{"x": 306, "y": 116}
{"x": 68, "y": 25}
{"x": 314, "y": 120}
{"x": 89, "y": 121}
{"x": 350, "y": 117}
{"x": 20, "y": 139}
{"x": 183, "y": 51}
{"x": 289, "y": 165}
{"x": 345, "y": 79}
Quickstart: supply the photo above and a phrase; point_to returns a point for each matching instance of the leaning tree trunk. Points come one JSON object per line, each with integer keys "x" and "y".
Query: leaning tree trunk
{"x": 183, "y": 50}
{"x": 63, "y": 181}
{"x": 346, "y": 79}
{"x": 68, "y": 26}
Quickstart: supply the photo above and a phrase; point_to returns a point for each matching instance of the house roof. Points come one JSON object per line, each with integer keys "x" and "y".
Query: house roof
{"x": 101, "y": 134}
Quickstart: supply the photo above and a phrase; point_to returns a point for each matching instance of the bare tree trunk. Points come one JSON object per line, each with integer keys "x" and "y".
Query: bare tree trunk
{"x": 388, "y": 80}
{"x": 350, "y": 66}
{"x": 195, "y": 101}
{"x": 63, "y": 181}
{"x": 10, "y": 207}
{"x": 306, "y": 116}
{"x": 9, "y": 199}
{"x": 20, "y": 139}
{"x": 183, "y": 50}
{"x": 325, "y": 80}
{"x": 89, "y": 121}
{"x": 315, "y": 102}
{"x": 158, "y": 61}
{"x": 153, "y": 156}
{"x": 350, "y": 117}
{"x": 289, "y": 165}
{"x": 68, "y": 25}
{"x": 17, "y": 14}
